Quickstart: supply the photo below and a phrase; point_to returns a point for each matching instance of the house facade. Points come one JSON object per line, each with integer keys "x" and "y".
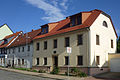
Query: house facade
{"x": 6, "y": 30}
{"x": 21, "y": 50}
{"x": 91, "y": 35}
{"x": 4, "y": 44}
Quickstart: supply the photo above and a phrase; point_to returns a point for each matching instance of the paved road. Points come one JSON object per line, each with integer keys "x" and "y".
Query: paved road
{"x": 5, "y": 75}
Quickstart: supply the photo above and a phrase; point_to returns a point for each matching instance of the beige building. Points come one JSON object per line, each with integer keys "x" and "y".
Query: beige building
{"x": 4, "y": 31}
{"x": 91, "y": 35}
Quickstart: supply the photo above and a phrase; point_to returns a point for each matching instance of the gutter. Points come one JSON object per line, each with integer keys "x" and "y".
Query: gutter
{"x": 88, "y": 53}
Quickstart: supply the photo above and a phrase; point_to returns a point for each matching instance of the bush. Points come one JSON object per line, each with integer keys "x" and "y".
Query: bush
{"x": 55, "y": 71}
{"x": 76, "y": 72}
{"x": 41, "y": 71}
{"x": 34, "y": 71}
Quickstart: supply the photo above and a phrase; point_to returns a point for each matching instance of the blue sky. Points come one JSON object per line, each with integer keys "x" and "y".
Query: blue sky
{"x": 25, "y": 15}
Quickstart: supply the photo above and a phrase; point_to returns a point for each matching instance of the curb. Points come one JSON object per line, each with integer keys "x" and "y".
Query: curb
{"x": 30, "y": 73}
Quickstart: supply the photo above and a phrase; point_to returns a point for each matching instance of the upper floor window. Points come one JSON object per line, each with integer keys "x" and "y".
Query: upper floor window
{"x": 19, "y": 49}
{"x": 22, "y": 49}
{"x": 37, "y": 46}
{"x": 79, "y": 39}
{"x": 45, "y": 44}
{"x": 105, "y": 24}
{"x": 55, "y": 43}
{"x": 13, "y": 50}
{"x": 28, "y": 47}
{"x": 111, "y": 43}
{"x": 67, "y": 42}
{"x": 97, "y": 40}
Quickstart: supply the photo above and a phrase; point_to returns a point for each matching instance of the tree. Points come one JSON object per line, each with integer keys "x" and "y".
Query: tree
{"x": 118, "y": 45}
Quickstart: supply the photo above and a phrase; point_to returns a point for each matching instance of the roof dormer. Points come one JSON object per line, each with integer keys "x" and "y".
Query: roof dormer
{"x": 44, "y": 29}
{"x": 76, "y": 19}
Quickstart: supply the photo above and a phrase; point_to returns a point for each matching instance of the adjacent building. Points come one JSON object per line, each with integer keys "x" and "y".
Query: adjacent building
{"x": 91, "y": 35}
{"x": 4, "y": 44}
{"x": 20, "y": 52}
{"x": 4, "y": 31}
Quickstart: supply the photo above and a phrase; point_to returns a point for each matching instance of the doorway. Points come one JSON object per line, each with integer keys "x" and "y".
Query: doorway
{"x": 55, "y": 61}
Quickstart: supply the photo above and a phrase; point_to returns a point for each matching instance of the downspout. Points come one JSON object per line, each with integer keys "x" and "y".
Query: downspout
{"x": 88, "y": 53}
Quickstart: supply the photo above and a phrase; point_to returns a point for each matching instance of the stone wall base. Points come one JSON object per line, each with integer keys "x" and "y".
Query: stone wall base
{"x": 88, "y": 70}
{"x": 45, "y": 68}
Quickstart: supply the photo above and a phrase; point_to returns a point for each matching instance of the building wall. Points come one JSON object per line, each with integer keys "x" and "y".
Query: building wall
{"x": 4, "y": 31}
{"x": 26, "y": 55}
{"x": 61, "y": 49}
{"x": 111, "y": 56}
{"x": 105, "y": 34}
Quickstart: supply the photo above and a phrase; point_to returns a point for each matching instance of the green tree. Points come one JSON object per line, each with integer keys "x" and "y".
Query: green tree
{"x": 118, "y": 45}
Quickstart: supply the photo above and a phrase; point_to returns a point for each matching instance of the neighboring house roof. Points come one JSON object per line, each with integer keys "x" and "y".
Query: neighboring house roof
{"x": 87, "y": 23}
{"x": 25, "y": 38}
{"x": 12, "y": 36}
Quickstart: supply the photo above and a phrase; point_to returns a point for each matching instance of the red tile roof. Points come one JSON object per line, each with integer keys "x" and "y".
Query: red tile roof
{"x": 88, "y": 22}
{"x": 25, "y": 38}
{"x": 14, "y": 36}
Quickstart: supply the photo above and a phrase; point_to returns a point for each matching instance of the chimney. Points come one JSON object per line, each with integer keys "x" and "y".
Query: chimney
{"x": 32, "y": 29}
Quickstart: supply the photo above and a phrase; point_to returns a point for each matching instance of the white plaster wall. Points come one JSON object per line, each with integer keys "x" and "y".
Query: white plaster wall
{"x": 105, "y": 34}
{"x": 26, "y": 55}
{"x": 4, "y": 31}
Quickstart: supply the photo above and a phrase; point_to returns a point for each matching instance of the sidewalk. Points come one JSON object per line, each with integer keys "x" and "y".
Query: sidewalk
{"x": 46, "y": 75}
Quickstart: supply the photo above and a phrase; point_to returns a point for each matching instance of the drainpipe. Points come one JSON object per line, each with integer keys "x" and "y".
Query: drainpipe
{"x": 88, "y": 53}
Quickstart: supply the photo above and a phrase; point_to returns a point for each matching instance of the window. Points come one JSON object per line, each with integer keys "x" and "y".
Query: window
{"x": 44, "y": 29}
{"x": 18, "y": 61}
{"x": 13, "y": 50}
{"x": 22, "y": 61}
{"x": 66, "y": 60}
{"x": 67, "y": 42}
{"x": 37, "y": 46}
{"x": 28, "y": 48}
{"x": 73, "y": 20}
{"x": 19, "y": 49}
{"x": 97, "y": 60}
{"x": 9, "y": 51}
{"x": 22, "y": 49}
{"x": 105, "y": 24}
{"x": 80, "y": 60}
{"x": 37, "y": 61}
{"x": 79, "y": 19}
{"x": 45, "y": 61}
{"x": 55, "y": 43}
{"x": 97, "y": 40}
{"x": 45, "y": 44}
{"x": 80, "y": 39}
{"x": 111, "y": 43}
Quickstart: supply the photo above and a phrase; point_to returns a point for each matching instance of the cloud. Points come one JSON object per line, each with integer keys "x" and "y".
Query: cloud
{"x": 63, "y": 4}
{"x": 53, "y": 12}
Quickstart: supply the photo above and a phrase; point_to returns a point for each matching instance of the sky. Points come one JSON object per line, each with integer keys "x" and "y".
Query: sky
{"x": 25, "y": 15}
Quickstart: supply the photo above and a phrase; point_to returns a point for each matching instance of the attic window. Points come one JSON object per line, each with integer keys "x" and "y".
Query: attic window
{"x": 44, "y": 30}
{"x": 105, "y": 24}
{"x": 76, "y": 20}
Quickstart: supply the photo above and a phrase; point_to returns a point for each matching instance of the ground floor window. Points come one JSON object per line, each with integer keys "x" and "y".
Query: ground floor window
{"x": 97, "y": 60}
{"x": 22, "y": 61}
{"x": 37, "y": 61}
{"x": 80, "y": 60}
{"x": 45, "y": 61}
{"x": 18, "y": 61}
{"x": 66, "y": 60}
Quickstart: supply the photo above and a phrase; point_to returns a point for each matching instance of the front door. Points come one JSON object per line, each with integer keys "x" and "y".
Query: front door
{"x": 55, "y": 61}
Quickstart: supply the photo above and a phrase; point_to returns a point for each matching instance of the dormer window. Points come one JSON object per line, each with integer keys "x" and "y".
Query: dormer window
{"x": 5, "y": 41}
{"x": 76, "y": 19}
{"x": 44, "y": 29}
{"x": 105, "y": 24}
